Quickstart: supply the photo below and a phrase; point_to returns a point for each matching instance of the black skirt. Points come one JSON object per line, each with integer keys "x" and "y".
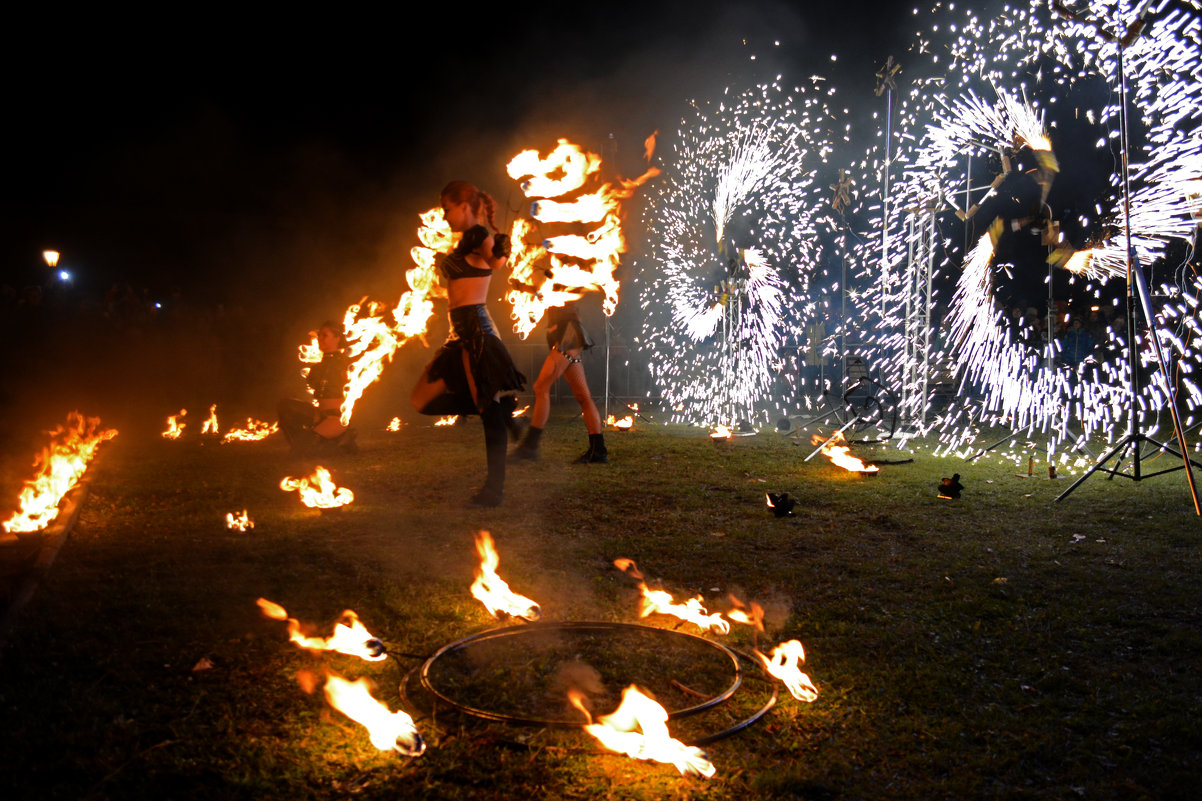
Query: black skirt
{"x": 493, "y": 370}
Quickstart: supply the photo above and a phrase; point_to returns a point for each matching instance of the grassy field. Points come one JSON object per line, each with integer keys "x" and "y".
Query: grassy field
{"x": 998, "y": 646}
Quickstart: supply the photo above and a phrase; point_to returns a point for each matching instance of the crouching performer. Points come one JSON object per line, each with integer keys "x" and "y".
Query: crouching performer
{"x": 566, "y": 339}
{"x": 473, "y": 373}
{"x": 314, "y": 427}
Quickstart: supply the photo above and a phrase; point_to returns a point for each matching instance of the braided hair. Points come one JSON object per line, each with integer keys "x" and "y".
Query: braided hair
{"x": 479, "y": 201}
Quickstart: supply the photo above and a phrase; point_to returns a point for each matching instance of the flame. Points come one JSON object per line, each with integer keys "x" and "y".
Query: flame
{"x": 649, "y": 146}
{"x": 59, "y": 466}
{"x": 238, "y": 521}
{"x": 492, "y": 591}
{"x": 521, "y": 411}
{"x": 662, "y": 602}
{"x": 210, "y": 425}
{"x": 255, "y": 430}
{"x": 625, "y": 424}
{"x": 389, "y": 731}
{"x": 752, "y": 615}
{"x": 578, "y": 262}
{"x": 350, "y": 637}
{"x": 784, "y": 665}
{"x": 174, "y": 426}
{"x": 837, "y": 451}
{"x": 395, "y": 424}
{"x": 720, "y": 432}
{"x": 450, "y": 420}
{"x": 318, "y": 490}
{"x": 639, "y": 729}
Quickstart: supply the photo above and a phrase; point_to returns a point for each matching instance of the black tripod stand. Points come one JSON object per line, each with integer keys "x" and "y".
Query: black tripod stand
{"x": 1134, "y": 440}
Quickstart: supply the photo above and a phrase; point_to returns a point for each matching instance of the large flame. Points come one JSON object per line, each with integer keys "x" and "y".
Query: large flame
{"x": 784, "y": 664}
{"x": 59, "y": 466}
{"x": 659, "y": 601}
{"x": 639, "y": 729}
{"x": 837, "y": 451}
{"x": 175, "y": 425}
{"x": 389, "y": 731}
{"x": 578, "y": 262}
{"x": 318, "y": 490}
{"x": 350, "y": 637}
{"x": 254, "y": 431}
{"x": 492, "y": 591}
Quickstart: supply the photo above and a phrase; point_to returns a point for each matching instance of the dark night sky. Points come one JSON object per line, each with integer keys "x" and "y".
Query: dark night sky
{"x": 231, "y": 153}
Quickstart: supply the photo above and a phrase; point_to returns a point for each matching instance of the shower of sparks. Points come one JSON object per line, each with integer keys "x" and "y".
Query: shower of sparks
{"x": 1019, "y": 96}
{"x": 731, "y": 230}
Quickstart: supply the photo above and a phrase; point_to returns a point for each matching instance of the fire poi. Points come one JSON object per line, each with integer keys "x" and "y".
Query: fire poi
{"x": 639, "y": 728}
{"x": 784, "y": 664}
{"x": 350, "y": 637}
{"x": 318, "y": 490}
{"x": 389, "y": 731}
{"x": 659, "y": 601}
{"x": 492, "y": 591}
{"x": 59, "y": 466}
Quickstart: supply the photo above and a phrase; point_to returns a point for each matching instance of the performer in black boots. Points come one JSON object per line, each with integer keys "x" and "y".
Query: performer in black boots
{"x": 567, "y": 339}
{"x": 473, "y": 373}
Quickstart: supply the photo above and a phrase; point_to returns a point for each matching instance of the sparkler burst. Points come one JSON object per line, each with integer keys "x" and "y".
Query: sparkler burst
{"x": 995, "y": 110}
{"x": 731, "y": 230}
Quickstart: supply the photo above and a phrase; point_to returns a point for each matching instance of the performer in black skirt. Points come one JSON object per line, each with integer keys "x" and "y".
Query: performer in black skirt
{"x": 473, "y": 373}
{"x": 567, "y": 339}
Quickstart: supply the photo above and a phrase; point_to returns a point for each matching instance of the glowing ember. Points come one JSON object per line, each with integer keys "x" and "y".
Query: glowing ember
{"x": 659, "y": 601}
{"x": 254, "y": 431}
{"x": 210, "y": 425}
{"x": 389, "y": 731}
{"x": 450, "y": 420}
{"x": 784, "y": 664}
{"x": 238, "y": 521}
{"x": 492, "y": 591}
{"x": 59, "y": 466}
{"x": 639, "y": 729}
{"x": 349, "y": 637}
{"x": 394, "y": 424}
{"x": 578, "y": 262}
{"x": 174, "y": 425}
{"x": 318, "y": 490}
{"x": 837, "y": 451}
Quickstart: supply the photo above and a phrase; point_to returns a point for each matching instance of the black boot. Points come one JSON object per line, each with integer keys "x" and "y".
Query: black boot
{"x": 527, "y": 449}
{"x": 516, "y": 425}
{"x": 493, "y": 491}
{"x": 596, "y": 453}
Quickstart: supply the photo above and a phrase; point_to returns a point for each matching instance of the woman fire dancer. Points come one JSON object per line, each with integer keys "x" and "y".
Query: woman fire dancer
{"x": 314, "y": 427}
{"x": 473, "y": 373}
{"x": 567, "y": 339}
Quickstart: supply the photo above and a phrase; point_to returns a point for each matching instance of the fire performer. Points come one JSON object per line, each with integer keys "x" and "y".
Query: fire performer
{"x": 473, "y": 372}
{"x": 315, "y": 425}
{"x": 567, "y": 339}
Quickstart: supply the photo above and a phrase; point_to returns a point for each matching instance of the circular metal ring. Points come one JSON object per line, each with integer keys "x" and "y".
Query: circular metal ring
{"x": 574, "y": 627}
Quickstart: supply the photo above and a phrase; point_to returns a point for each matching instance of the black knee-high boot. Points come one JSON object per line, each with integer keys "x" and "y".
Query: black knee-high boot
{"x": 494, "y": 418}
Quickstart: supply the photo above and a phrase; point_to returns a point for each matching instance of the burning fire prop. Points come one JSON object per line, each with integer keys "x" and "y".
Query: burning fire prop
{"x": 450, "y": 420}
{"x": 639, "y": 729}
{"x": 350, "y": 637}
{"x": 492, "y": 591}
{"x": 318, "y": 490}
{"x": 659, "y": 601}
{"x": 624, "y": 424}
{"x": 580, "y": 262}
{"x": 837, "y": 451}
{"x": 394, "y": 425}
{"x": 254, "y": 431}
{"x": 784, "y": 665}
{"x": 60, "y": 465}
{"x": 389, "y": 731}
{"x": 210, "y": 425}
{"x": 721, "y": 433}
{"x": 238, "y": 521}
{"x": 175, "y": 426}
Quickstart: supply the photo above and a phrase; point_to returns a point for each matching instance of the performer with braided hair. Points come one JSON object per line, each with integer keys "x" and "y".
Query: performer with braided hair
{"x": 473, "y": 372}
{"x": 567, "y": 339}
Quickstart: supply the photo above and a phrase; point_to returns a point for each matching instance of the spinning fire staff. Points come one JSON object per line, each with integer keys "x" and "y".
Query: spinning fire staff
{"x": 1133, "y": 440}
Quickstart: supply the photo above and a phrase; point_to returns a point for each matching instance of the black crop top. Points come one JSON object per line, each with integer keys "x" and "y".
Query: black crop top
{"x": 451, "y": 266}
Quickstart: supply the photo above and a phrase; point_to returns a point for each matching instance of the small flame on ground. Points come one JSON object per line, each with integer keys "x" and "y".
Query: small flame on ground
{"x": 639, "y": 729}
{"x": 492, "y": 591}
{"x": 720, "y": 432}
{"x": 449, "y": 420}
{"x": 837, "y": 451}
{"x": 254, "y": 431}
{"x": 784, "y": 664}
{"x": 395, "y": 424}
{"x": 59, "y": 466}
{"x": 752, "y": 615}
{"x": 350, "y": 637}
{"x": 318, "y": 490}
{"x": 238, "y": 521}
{"x": 389, "y": 731}
{"x": 210, "y": 425}
{"x": 662, "y": 602}
{"x": 623, "y": 424}
{"x": 174, "y": 425}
